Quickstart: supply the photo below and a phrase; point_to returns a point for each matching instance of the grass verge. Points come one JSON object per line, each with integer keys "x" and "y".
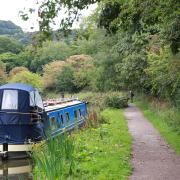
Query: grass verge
{"x": 165, "y": 120}
{"x": 104, "y": 153}
{"x": 92, "y": 153}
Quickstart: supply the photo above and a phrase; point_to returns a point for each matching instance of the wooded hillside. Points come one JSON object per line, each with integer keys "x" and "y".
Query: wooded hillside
{"x": 9, "y": 28}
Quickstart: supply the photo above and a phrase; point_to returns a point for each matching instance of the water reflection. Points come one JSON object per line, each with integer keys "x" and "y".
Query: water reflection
{"x": 16, "y": 169}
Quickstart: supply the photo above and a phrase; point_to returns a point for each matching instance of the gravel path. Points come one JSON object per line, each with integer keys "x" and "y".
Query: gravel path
{"x": 152, "y": 158}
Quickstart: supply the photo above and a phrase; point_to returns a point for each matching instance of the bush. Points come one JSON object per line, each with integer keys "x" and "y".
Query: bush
{"x": 164, "y": 75}
{"x": 50, "y": 73}
{"x": 116, "y": 101}
{"x": 17, "y": 70}
{"x": 27, "y": 77}
{"x": 65, "y": 80}
{"x": 80, "y": 61}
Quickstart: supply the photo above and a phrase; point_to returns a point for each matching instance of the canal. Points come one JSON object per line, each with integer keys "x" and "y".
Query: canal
{"x": 16, "y": 169}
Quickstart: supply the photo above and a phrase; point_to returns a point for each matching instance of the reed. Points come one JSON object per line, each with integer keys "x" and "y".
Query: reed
{"x": 55, "y": 159}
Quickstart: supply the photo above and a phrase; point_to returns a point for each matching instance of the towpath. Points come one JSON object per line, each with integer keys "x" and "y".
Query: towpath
{"x": 152, "y": 157}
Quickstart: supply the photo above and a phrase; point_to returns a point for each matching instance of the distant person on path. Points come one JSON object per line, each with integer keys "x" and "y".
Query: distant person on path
{"x": 62, "y": 95}
{"x": 131, "y": 96}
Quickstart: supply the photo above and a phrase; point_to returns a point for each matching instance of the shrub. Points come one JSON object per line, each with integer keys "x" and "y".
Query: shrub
{"x": 80, "y": 61}
{"x": 164, "y": 75}
{"x": 17, "y": 70}
{"x": 50, "y": 72}
{"x": 116, "y": 101}
{"x": 81, "y": 79}
{"x": 65, "y": 80}
{"x": 27, "y": 77}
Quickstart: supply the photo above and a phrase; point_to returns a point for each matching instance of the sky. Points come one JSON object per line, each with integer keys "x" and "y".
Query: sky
{"x": 9, "y": 10}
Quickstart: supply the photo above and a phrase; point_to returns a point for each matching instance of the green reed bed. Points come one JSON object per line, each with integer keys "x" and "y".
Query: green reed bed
{"x": 54, "y": 159}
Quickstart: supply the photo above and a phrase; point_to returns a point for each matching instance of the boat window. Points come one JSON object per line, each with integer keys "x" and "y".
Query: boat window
{"x": 53, "y": 123}
{"x": 36, "y": 100}
{"x": 58, "y": 120}
{"x": 62, "y": 119}
{"x": 58, "y": 124}
{"x": 67, "y": 117}
{"x": 39, "y": 101}
{"x": 80, "y": 112}
{"x": 10, "y": 99}
{"x": 32, "y": 98}
{"x": 75, "y": 114}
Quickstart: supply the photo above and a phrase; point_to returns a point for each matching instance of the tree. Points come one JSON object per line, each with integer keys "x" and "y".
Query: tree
{"x": 124, "y": 38}
{"x": 16, "y": 70}
{"x": 80, "y": 62}
{"x": 164, "y": 74}
{"x": 10, "y": 45}
{"x": 26, "y": 57}
{"x": 49, "y": 9}
{"x": 131, "y": 71}
{"x": 50, "y": 51}
{"x": 10, "y": 59}
{"x": 65, "y": 80}
{"x": 8, "y": 27}
{"x": 27, "y": 77}
{"x": 2, "y": 73}
{"x": 80, "y": 65}
{"x": 50, "y": 73}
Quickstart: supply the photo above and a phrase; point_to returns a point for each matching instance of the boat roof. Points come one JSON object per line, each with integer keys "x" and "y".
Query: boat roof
{"x": 18, "y": 86}
{"x": 62, "y": 105}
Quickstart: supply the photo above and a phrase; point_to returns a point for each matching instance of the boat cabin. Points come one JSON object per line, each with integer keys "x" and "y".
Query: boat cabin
{"x": 21, "y": 111}
{"x": 25, "y": 120}
{"x": 66, "y": 115}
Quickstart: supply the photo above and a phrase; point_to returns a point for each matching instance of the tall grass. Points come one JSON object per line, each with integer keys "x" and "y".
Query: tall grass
{"x": 54, "y": 159}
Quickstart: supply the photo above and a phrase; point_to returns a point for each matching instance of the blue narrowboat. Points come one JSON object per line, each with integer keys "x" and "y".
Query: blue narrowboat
{"x": 25, "y": 120}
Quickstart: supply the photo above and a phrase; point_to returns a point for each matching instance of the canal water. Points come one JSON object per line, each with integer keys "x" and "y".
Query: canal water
{"x": 16, "y": 169}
